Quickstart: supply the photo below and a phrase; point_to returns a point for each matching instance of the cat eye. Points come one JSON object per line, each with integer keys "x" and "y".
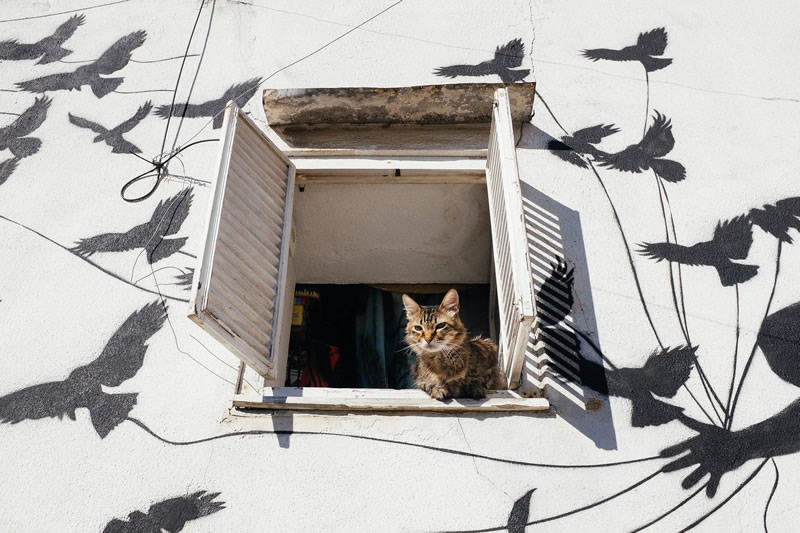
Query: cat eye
{"x": 441, "y": 325}
{"x": 417, "y": 328}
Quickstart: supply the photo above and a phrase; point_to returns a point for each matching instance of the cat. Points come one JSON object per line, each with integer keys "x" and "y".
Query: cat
{"x": 449, "y": 364}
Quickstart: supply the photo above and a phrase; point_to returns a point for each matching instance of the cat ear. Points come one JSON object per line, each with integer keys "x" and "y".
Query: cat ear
{"x": 450, "y": 303}
{"x": 411, "y": 306}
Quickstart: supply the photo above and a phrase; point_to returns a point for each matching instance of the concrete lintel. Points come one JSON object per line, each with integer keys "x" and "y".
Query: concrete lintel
{"x": 426, "y": 104}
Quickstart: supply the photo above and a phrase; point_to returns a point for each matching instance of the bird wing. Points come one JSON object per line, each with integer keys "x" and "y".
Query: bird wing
{"x": 38, "y": 401}
{"x": 789, "y": 206}
{"x": 595, "y": 134}
{"x": 240, "y": 93}
{"x": 628, "y": 160}
{"x": 7, "y": 168}
{"x": 666, "y": 370}
{"x": 596, "y": 54}
{"x": 186, "y": 110}
{"x": 111, "y": 242}
{"x": 565, "y": 153}
{"x": 481, "y": 69}
{"x": 123, "y": 354}
{"x": 790, "y": 211}
{"x": 129, "y": 124}
{"x": 52, "y": 82}
{"x": 13, "y": 50}
{"x": 668, "y": 170}
{"x": 172, "y": 514}
{"x": 119, "y": 53}
{"x": 653, "y": 42}
{"x": 83, "y": 123}
{"x": 29, "y": 120}
{"x": 66, "y": 30}
{"x": 734, "y": 237}
{"x": 510, "y": 54}
{"x": 170, "y": 214}
{"x": 658, "y": 140}
{"x": 520, "y": 511}
{"x": 185, "y": 279}
{"x": 661, "y": 251}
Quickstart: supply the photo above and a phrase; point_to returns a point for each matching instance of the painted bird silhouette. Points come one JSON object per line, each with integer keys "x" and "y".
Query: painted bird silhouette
{"x": 112, "y": 60}
{"x": 14, "y": 137}
{"x": 120, "y": 360}
{"x": 581, "y": 142}
{"x": 166, "y": 220}
{"x": 731, "y": 240}
{"x": 649, "y": 44}
{"x": 239, "y": 94}
{"x": 657, "y": 142}
{"x": 506, "y": 57}
{"x": 113, "y": 137}
{"x": 48, "y": 49}
{"x": 170, "y": 515}
{"x": 662, "y": 375}
{"x": 778, "y": 219}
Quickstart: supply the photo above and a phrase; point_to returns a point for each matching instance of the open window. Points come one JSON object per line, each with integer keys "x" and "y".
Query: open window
{"x": 421, "y": 217}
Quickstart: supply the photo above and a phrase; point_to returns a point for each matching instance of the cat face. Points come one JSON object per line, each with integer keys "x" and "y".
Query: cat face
{"x": 434, "y": 328}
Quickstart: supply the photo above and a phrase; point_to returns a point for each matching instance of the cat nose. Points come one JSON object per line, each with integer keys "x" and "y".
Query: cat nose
{"x": 428, "y": 336}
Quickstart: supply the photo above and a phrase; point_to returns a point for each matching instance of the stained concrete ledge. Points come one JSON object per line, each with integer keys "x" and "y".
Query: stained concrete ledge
{"x": 425, "y": 104}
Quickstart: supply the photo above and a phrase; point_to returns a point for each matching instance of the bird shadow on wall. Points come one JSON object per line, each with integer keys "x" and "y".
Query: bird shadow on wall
{"x": 557, "y": 359}
{"x": 16, "y": 136}
{"x": 504, "y": 64}
{"x": 120, "y": 360}
{"x": 112, "y": 60}
{"x": 170, "y": 515}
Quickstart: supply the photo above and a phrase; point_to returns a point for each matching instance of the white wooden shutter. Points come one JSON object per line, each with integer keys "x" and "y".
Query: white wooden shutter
{"x": 509, "y": 242}
{"x": 242, "y": 270}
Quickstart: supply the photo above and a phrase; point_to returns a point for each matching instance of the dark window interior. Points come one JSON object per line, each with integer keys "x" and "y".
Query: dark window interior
{"x": 352, "y": 336}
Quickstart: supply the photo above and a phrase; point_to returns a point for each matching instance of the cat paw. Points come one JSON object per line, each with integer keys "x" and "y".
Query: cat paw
{"x": 439, "y": 393}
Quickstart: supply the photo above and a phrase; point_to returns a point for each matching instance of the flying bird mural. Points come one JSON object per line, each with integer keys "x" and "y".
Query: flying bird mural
{"x": 778, "y": 219}
{"x": 664, "y": 372}
{"x": 15, "y": 137}
{"x": 732, "y": 240}
{"x": 120, "y": 360}
{"x": 47, "y": 50}
{"x": 648, "y": 153}
{"x": 166, "y": 220}
{"x": 240, "y": 94}
{"x": 113, "y": 137}
{"x": 581, "y": 142}
{"x": 168, "y": 515}
{"x": 506, "y": 59}
{"x": 648, "y": 45}
{"x": 112, "y": 60}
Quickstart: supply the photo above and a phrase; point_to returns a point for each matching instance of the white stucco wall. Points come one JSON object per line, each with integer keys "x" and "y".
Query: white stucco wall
{"x": 731, "y": 93}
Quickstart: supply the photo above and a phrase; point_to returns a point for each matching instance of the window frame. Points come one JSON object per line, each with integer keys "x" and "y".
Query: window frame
{"x": 309, "y": 166}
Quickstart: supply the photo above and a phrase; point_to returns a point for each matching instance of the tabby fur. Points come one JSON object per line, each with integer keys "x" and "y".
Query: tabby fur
{"x": 449, "y": 364}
